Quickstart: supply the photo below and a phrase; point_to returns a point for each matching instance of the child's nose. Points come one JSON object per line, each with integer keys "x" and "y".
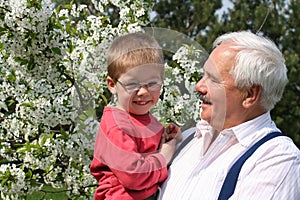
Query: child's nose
{"x": 143, "y": 90}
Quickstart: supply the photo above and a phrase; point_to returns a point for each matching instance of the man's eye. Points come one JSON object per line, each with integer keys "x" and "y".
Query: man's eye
{"x": 212, "y": 79}
{"x": 215, "y": 80}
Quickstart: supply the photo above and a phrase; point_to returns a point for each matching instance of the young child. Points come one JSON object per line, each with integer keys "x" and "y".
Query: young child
{"x": 130, "y": 154}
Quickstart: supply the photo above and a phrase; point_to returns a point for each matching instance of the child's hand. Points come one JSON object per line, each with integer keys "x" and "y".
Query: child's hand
{"x": 162, "y": 140}
{"x": 172, "y": 132}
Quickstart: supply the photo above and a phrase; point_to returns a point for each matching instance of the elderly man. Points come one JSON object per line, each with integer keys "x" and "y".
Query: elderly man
{"x": 244, "y": 77}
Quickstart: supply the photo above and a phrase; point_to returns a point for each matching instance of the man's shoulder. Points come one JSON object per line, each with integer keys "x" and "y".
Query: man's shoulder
{"x": 279, "y": 148}
{"x": 286, "y": 145}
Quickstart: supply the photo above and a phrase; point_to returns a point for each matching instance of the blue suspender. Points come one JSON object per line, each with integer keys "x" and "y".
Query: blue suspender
{"x": 232, "y": 176}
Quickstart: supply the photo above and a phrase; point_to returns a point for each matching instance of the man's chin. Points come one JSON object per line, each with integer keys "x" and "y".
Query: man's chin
{"x": 205, "y": 117}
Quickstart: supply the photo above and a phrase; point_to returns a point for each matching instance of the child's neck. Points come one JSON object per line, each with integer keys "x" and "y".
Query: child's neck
{"x": 121, "y": 108}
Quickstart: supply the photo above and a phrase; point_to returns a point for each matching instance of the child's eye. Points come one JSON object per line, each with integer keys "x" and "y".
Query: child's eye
{"x": 153, "y": 83}
{"x": 132, "y": 85}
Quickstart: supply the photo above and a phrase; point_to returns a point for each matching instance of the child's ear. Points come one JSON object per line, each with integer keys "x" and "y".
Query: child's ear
{"x": 111, "y": 85}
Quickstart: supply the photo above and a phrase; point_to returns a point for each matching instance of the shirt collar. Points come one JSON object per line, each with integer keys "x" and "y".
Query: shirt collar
{"x": 202, "y": 128}
{"x": 246, "y": 132}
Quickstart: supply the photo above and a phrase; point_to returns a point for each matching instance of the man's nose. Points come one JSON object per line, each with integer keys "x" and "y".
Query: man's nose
{"x": 201, "y": 86}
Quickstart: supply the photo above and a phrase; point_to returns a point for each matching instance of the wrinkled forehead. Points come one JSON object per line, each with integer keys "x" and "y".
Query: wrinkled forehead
{"x": 221, "y": 59}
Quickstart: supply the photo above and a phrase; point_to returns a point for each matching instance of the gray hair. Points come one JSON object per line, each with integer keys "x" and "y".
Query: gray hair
{"x": 258, "y": 62}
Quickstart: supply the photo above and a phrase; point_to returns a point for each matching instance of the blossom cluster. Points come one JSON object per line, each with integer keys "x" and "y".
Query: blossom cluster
{"x": 52, "y": 85}
{"x": 180, "y": 103}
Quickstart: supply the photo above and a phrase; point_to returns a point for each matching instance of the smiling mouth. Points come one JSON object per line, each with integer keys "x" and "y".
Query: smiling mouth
{"x": 205, "y": 100}
{"x": 142, "y": 102}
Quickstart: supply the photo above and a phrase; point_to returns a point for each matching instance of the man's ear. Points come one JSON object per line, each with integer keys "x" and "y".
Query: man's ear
{"x": 253, "y": 96}
{"x": 111, "y": 85}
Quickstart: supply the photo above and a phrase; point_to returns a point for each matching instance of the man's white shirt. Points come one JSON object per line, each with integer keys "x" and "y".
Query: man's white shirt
{"x": 198, "y": 172}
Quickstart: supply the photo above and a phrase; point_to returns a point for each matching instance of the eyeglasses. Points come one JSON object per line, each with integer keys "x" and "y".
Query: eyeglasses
{"x": 133, "y": 87}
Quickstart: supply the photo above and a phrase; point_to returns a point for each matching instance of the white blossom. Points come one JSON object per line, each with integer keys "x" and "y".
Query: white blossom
{"x": 53, "y": 72}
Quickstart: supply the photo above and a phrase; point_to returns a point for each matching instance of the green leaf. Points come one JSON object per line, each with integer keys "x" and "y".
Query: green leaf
{"x": 1, "y": 45}
{"x": 28, "y": 174}
{"x": 20, "y": 60}
{"x": 56, "y": 50}
{"x": 30, "y": 105}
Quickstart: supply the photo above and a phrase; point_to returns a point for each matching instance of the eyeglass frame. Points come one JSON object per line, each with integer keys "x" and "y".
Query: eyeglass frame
{"x": 141, "y": 84}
